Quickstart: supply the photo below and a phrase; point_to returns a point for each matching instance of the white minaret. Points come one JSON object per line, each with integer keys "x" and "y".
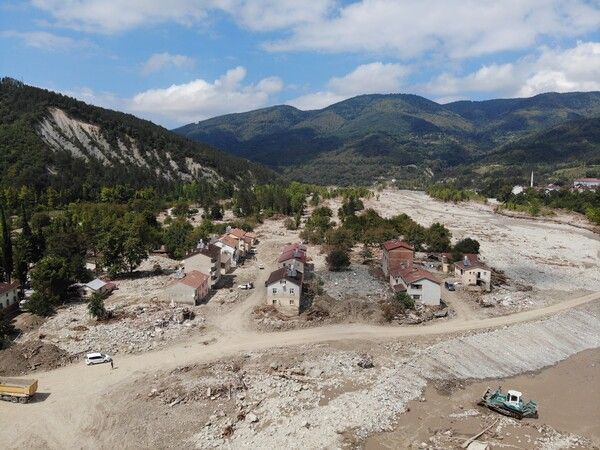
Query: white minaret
{"x": 531, "y": 182}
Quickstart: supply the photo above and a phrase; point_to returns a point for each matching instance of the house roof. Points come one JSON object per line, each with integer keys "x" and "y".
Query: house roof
{"x": 194, "y": 279}
{"x": 470, "y": 261}
{"x": 96, "y": 284}
{"x": 397, "y": 243}
{"x": 587, "y": 180}
{"x": 212, "y": 251}
{"x": 251, "y": 234}
{"x": 281, "y": 274}
{"x": 412, "y": 274}
{"x": 7, "y": 287}
{"x": 238, "y": 232}
{"x": 296, "y": 254}
{"x": 229, "y": 241}
{"x": 294, "y": 246}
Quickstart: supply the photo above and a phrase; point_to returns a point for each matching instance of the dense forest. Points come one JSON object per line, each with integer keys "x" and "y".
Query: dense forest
{"x": 410, "y": 138}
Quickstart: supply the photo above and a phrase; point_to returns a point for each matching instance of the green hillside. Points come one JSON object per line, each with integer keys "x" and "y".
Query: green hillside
{"x": 399, "y": 135}
{"x": 51, "y": 140}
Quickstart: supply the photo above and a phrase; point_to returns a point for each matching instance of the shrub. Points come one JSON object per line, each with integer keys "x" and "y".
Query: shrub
{"x": 96, "y": 306}
{"x": 405, "y": 300}
{"x": 338, "y": 260}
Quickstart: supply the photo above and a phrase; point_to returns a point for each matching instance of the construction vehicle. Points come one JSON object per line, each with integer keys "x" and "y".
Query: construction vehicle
{"x": 17, "y": 390}
{"x": 510, "y": 404}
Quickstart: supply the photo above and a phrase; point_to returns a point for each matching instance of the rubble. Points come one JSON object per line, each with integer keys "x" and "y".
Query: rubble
{"x": 134, "y": 328}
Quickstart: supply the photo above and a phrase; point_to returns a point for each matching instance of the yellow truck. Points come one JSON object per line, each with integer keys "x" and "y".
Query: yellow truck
{"x": 17, "y": 390}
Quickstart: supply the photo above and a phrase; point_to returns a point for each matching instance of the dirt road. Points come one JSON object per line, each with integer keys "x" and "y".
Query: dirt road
{"x": 74, "y": 393}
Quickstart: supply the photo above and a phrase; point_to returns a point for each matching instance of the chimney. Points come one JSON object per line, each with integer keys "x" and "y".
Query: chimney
{"x": 292, "y": 272}
{"x": 466, "y": 261}
{"x": 228, "y": 229}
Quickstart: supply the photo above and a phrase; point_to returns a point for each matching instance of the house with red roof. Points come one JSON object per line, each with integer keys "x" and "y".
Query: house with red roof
{"x": 231, "y": 246}
{"x": 422, "y": 286}
{"x": 396, "y": 254}
{"x": 191, "y": 289}
{"x": 294, "y": 258}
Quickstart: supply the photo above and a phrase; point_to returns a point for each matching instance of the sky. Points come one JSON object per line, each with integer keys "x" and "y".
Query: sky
{"x": 181, "y": 61}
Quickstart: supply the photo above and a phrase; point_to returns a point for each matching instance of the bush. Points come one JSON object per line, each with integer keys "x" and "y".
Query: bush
{"x": 96, "y": 306}
{"x": 338, "y": 260}
{"x": 466, "y": 245}
{"x": 42, "y": 305}
{"x": 6, "y": 329}
{"x": 290, "y": 224}
{"x": 405, "y": 300}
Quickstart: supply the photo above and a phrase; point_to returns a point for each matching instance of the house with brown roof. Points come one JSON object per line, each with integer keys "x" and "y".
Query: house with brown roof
{"x": 294, "y": 258}
{"x": 206, "y": 259}
{"x": 284, "y": 287}
{"x": 473, "y": 272}
{"x": 396, "y": 254}
{"x": 248, "y": 237}
{"x": 9, "y": 294}
{"x": 189, "y": 290}
{"x": 423, "y": 286}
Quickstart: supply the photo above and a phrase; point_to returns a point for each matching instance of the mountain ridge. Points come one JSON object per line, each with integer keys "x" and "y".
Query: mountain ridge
{"x": 386, "y": 132}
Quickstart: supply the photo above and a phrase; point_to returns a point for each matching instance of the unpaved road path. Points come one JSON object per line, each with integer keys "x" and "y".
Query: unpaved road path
{"x": 74, "y": 393}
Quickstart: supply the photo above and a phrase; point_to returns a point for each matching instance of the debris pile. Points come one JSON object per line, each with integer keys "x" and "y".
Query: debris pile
{"x": 26, "y": 357}
{"x": 133, "y": 328}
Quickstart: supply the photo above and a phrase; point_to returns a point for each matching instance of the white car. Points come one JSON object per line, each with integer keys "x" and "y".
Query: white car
{"x": 97, "y": 358}
{"x": 246, "y": 286}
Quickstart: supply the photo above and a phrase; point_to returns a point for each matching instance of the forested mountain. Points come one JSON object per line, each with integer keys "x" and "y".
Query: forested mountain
{"x": 51, "y": 140}
{"x": 400, "y": 135}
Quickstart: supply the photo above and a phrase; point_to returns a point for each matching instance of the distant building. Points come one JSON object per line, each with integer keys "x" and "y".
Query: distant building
{"x": 396, "y": 254}
{"x": 551, "y": 188}
{"x": 516, "y": 190}
{"x": 584, "y": 184}
{"x": 473, "y": 272}
{"x": 284, "y": 288}
{"x": 420, "y": 284}
{"x": 98, "y": 285}
{"x": 9, "y": 294}
{"x": 205, "y": 259}
{"x": 189, "y": 290}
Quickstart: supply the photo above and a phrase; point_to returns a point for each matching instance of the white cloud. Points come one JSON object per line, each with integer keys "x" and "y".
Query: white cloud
{"x": 158, "y": 61}
{"x": 457, "y": 28}
{"x": 112, "y": 16}
{"x": 370, "y": 78}
{"x": 552, "y": 70}
{"x": 44, "y": 40}
{"x": 267, "y": 15}
{"x": 200, "y": 99}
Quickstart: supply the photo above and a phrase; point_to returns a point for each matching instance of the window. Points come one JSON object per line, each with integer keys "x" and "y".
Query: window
{"x": 274, "y": 302}
{"x": 291, "y": 301}
{"x": 274, "y": 290}
{"x": 291, "y": 290}
{"x": 416, "y": 297}
{"x": 416, "y": 286}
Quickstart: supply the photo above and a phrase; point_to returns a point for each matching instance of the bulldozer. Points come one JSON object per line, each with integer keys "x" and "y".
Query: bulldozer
{"x": 510, "y": 404}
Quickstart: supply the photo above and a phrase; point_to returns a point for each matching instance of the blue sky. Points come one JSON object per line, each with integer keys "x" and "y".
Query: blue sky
{"x": 180, "y": 61}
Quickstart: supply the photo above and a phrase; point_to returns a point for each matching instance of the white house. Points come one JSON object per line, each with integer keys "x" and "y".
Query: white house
{"x": 419, "y": 283}
{"x": 229, "y": 245}
{"x": 98, "y": 285}
{"x": 472, "y": 272}
{"x": 284, "y": 287}
{"x": 582, "y": 184}
{"x": 205, "y": 259}
{"x": 9, "y": 294}
{"x": 293, "y": 259}
{"x": 190, "y": 290}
